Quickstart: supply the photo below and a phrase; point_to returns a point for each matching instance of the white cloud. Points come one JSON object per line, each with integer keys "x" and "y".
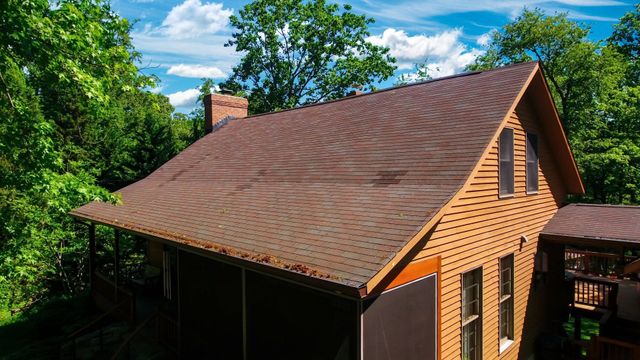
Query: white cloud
{"x": 196, "y": 71}
{"x": 454, "y": 64}
{"x": 186, "y": 98}
{"x": 206, "y": 49}
{"x": 193, "y": 18}
{"x": 410, "y": 11}
{"x": 157, "y": 89}
{"x": 444, "y": 53}
{"x": 484, "y": 39}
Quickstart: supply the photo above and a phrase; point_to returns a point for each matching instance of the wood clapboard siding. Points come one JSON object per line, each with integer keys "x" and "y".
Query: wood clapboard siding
{"x": 480, "y": 228}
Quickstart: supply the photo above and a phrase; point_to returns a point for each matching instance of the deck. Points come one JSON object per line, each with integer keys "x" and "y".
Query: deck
{"x": 590, "y": 295}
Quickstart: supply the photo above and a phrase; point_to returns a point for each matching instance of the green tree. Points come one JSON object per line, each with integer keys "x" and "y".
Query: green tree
{"x": 570, "y": 61}
{"x": 626, "y": 40}
{"x": 196, "y": 116}
{"x": 39, "y": 249}
{"x": 74, "y": 115}
{"x": 136, "y": 136}
{"x": 421, "y": 72}
{"x": 298, "y": 52}
{"x": 597, "y": 103}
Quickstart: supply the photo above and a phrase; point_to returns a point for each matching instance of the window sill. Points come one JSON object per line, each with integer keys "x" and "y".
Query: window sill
{"x": 532, "y": 193}
{"x": 506, "y": 196}
{"x": 504, "y": 345}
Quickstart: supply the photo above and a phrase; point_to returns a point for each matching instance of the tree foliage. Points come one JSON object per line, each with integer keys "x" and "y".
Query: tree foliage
{"x": 298, "y": 52}
{"x": 421, "y": 72}
{"x": 595, "y": 88}
{"x": 75, "y": 118}
{"x": 626, "y": 40}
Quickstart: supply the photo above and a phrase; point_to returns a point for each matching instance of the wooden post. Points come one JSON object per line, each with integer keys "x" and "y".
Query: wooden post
{"x": 244, "y": 315}
{"x": 577, "y": 329}
{"x": 621, "y": 263}
{"x": 92, "y": 254}
{"x": 179, "y": 322}
{"x": 116, "y": 267}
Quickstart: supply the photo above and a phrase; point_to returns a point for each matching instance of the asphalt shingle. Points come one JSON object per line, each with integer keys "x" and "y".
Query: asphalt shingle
{"x": 598, "y": 222}
{"x": 333, "y": 190}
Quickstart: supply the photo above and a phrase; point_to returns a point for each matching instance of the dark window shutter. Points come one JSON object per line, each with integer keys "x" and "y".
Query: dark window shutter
{"x": 532, "y": 162}
{"x": 506, "y": 162}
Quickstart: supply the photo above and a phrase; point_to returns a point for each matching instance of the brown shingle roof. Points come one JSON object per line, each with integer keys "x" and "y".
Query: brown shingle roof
{"x": 598, "y": 222}
{"x": 336, "y": 188}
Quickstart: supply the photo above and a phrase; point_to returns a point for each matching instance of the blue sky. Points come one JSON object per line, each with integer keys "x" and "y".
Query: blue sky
{"x": 183, "y": 40}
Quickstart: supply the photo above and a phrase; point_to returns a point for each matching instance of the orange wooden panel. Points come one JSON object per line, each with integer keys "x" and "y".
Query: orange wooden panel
{"x": 416, "y": 270}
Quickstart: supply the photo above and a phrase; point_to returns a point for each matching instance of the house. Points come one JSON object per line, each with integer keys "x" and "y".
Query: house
{"x": 400, "y": 224}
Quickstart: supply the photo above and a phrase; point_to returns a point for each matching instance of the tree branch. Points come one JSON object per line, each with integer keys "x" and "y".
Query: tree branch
{"x": 7, "y": 91}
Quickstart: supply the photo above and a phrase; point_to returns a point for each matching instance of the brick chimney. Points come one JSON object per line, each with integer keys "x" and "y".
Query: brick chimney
{"x": 220, "y": 106}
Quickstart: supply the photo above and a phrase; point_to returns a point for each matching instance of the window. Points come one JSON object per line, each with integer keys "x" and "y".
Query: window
{"x": 506, "y": 171}
{"x": 472, "y": 315}
{"x": 506, "y": 301}
{"x": 532, "y": 163}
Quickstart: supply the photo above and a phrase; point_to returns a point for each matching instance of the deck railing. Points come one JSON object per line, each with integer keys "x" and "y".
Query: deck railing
{"x": 166, "y": 335}
{"x": 168, "y": 331}
{"x": 595, "y": 292}
{"x": 598, "y": 263}
{"x": 611, "y": 349}
{"x": 106, "y": 295}
{"x": 96, "y": 323}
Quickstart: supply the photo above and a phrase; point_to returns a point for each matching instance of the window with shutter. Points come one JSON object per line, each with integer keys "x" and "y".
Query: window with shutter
{"x": 532, "y": 163}
{"x": 506, "y": 171}
{"x": 472, "y": 315}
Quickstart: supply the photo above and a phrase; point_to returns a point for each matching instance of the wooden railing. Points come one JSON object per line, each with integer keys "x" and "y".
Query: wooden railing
{"x": 595, "y": 292}
{"x": 106, "y": 295}
{"x": 591, "y": 262}
{"x": 597, "y": 263}
{"x": 95, "y": 324}
{"x": 168, "y": 331}
{"x": 611, "y": 349}
{"x": 125, "y": 347}
{"x": 632, "y": 267}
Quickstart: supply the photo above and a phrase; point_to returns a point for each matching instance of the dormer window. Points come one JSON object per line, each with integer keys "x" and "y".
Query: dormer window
{"x": 506, "y": 156}
{"x": 532, "y": 163}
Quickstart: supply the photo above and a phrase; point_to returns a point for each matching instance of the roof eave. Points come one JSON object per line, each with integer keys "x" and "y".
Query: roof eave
{"x": 568, "y": 165}
{"x": 589, "y": 240}
{"x": 354, "y": 291}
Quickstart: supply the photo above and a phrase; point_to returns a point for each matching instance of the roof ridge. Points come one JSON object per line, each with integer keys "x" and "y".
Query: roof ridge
{"x": 418, "y": 83}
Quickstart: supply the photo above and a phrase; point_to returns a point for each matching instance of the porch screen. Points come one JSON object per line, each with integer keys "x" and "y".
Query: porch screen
{"x": 210, "y": 308}
{"x": 402, "y": 323}
{"x": 287, "y": 321}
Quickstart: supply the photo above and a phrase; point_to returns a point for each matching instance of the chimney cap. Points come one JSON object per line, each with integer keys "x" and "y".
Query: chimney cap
{"x": 226, "y": 91}
{"x": 354, "y": 93}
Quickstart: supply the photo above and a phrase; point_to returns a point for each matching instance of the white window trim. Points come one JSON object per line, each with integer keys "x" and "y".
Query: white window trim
{"x": 504, "y": 345}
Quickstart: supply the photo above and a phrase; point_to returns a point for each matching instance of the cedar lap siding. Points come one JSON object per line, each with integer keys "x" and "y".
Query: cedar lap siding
{"x": 480, "y": 228}
{"x": 365, "y": 194}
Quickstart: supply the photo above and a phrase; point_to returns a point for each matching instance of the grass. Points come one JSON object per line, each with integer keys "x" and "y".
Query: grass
{"x": 590, "y": 328}
{"x": 38, "y": 332}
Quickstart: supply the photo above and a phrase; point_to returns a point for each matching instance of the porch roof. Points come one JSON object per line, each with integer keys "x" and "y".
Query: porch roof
{"x": 596, "y": 225}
